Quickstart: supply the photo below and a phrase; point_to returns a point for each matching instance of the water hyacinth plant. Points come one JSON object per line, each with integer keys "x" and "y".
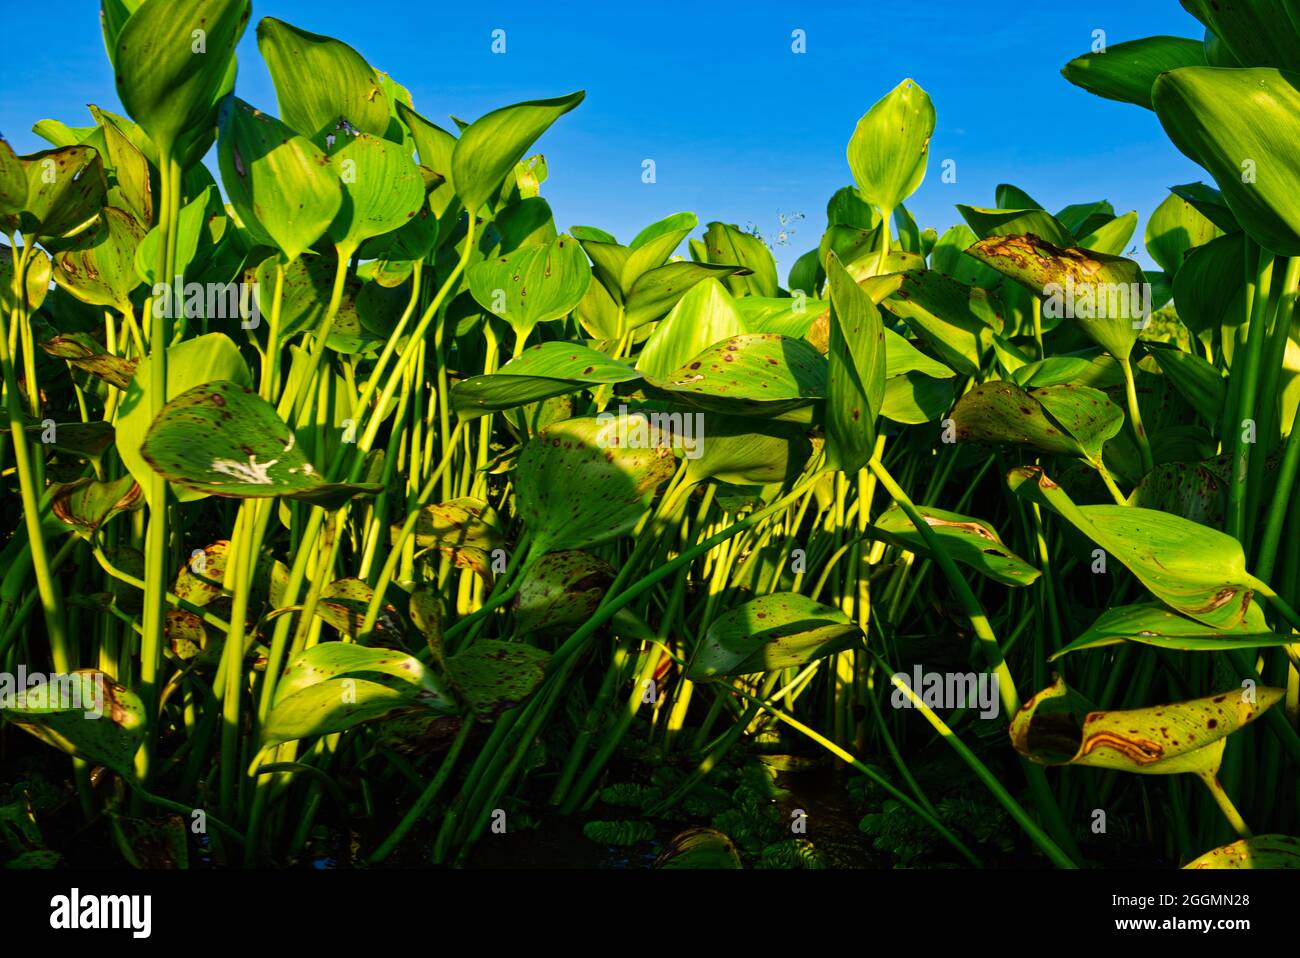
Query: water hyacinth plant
{"x": 354, "y": 503}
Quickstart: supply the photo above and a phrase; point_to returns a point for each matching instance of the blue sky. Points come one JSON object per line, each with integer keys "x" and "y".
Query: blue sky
{"x": 741, "y": 129}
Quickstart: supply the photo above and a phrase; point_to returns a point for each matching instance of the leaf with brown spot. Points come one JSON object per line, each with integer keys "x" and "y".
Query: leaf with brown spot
{"x": 1056, "y": 728}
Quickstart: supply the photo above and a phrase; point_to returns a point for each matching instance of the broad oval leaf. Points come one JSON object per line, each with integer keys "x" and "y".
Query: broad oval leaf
{"x": 493, "y": 677}
{"x": 577, "y": 486}
{"x": 84, "y": 713}
{"x": 706, "y": 315}
{"x": 1126, "y": 71}
{"x": 1199, "y": 571}
{"x": 1106, "y": 295}
{"x": 771, "y": 632}
{"x": 540, "y": 372}
{"x": 170, "y": 77}
{"x": 190, "y": 363}
{"x": 334, "y": 686}
{"x": 1053, "y": 728}
{"x": 1174, "y": 229}
{"x": 98, "y": 267}
{"x": 972, "y": 542}
{"x": 1239, "y": 125}
{"x": 890, "y": 146}
{"x": 1061, "y": 420}
{"x": 223, "y": 439}
{"x": 324, "y": 87}
{"x": 282, "y": 186}
{"x": 562, "y": 588}
{"x": 751, "y": 371}
{"x": 489, "y": 148}
{"x": 534, "y": 284}
{"x": 382, "y": 190}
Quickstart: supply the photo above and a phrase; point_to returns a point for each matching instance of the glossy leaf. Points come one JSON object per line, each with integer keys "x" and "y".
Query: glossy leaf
{"x": 490, "y": 147}
{"x": 971, "y": 542}
{"x": 84, "y": 713}
{"x": 324, "y": 87}
{"x": 1126, "y": 71}
{"x": 576, "y": 486}
{"x": 1198, "y": 571}
{"x": 1262, "y": 851}
{"x": 221, "y": 438}
{"x": 776, "y": 631}
{"x": 334, "y": 686}
{"x": 1150, "y": 623}
{"x": 534, "y": 284}
{"x": 890, "y": 146}
{"x": 169, "y": 78}
{"x": 855, "y": 372}
{"x": 283, "y": 187}
{"x": 1238, "y": 124}
{"x": 541, "y": 371}
{"x": 1053, "y": 728}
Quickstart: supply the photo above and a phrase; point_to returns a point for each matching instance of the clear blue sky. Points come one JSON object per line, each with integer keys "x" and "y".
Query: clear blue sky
{"x": 740, "y": 128}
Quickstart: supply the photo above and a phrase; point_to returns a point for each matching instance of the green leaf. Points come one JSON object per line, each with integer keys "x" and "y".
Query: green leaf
{"x": 1126, "y": 71}
{"x": 87, "y": 504}
{"x": 1239, "y": 125}
{"x": 1262, "y": 851}
{"x": 1059, "y": 420}
{"x": 575, "y": 488}
{"x": 82, "y": 351}
{"x": 334, "y": 686}
{"x": 777, "y": 631}
{"x": 756, "y": 372}
{"x": 971, "y": 542}
{"x": 727, "y": 245}
{"x": 129, "y": 177}
{"x": 195, "y": 361}
{"x": 13, "y": 182}
{"x": 1201, "y": 384}
{"x": 489, "y": 148}
{"x": 949, "y": 257}
{"x": 36, "y": 280}
{"x": 534, "y": 284}
{"x": 952, "y": 318}
{"x": 1198, "y": 571}
{"x": 458, "y": 523}
{"x": 737, "y": 449}
{"x": 98, "y": 266}
{"x": 1112, "y": 236}
{"x": 656, "y": 292}
{"x": 382, "y": 190}
{"x": 323, "y": 86}
{"x": 651, "y": 247}
{"x": 170, "y": 77}
{"x": 1102, "y": 293}
{"x": 221, "y": 438}
{"x": 65, "y": 189}
{"x": 890, "y": 146}
{"x": 1150, "y": 623}
{"x": 700, "y": 848}
{"x": 283, "y": 187}
{"x": 855, "y": 372}
{"x": 541, "y": 371}
{"x": 1053, "y": 728}
{"x": 343, "y": 605}
{"x": 84, "y": 713}
{"x": 561, "y": 589}
{"x": 1210, "y": 281}
{"x": 704, "y": 316}
{"x": 493, "y": 677}
{"x": 189, "y": 233}
{"x": 1210, "y": 203}
{"x": 1174, "y": 229}
{"x": 1042, "y": 224}
{"x": 1256, "y": 32}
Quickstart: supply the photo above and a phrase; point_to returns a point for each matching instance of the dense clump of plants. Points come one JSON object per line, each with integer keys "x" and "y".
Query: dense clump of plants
{"x": 360, "y": 501}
